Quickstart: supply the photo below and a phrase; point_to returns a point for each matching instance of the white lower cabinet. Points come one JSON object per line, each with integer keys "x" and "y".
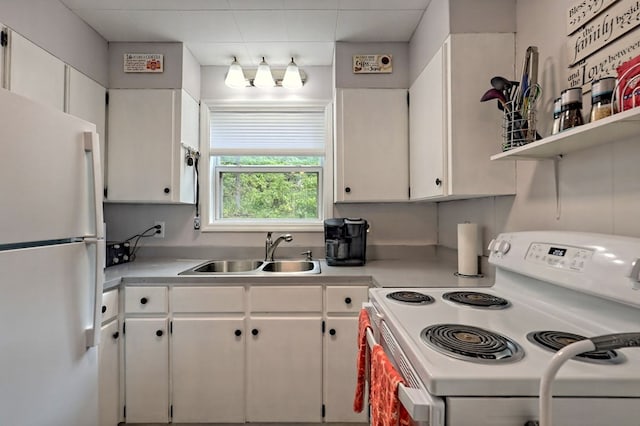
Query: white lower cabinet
{"x": 342, "y": 306}
{"x": 109, "y": 365}
{"x": 284, "y": 369}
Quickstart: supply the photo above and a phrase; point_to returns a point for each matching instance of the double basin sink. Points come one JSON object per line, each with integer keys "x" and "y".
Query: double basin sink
{"x": 254, "y": 267}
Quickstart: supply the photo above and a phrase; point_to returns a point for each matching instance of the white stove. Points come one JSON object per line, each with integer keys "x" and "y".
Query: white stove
{"x": 547, "y": 282}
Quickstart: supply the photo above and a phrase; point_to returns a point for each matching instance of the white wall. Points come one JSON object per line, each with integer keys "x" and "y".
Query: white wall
{"x": 599, "y": 188}
{"x": 50, "y": 25}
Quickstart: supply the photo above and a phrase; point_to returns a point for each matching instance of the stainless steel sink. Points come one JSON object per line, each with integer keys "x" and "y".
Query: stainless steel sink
{"x": 290, "y": 266}
{"x": 254, "y": 267}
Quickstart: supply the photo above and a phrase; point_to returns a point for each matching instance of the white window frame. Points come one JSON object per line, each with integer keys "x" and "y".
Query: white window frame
{"x": 209, "y": 195}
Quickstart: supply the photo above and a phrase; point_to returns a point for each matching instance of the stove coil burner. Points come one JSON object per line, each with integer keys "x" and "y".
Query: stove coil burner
{"x": 412, "y": 297}
{"x": 476, "y": 299}
{"x": 556, "y": 340}
{"x": 470, "y": 343}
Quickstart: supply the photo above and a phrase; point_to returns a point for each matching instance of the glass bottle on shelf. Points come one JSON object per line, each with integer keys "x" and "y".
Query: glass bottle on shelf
{"x": 601, "y": 96}
{"x": 557, "y": 108}
{"x": 571, "y": 111}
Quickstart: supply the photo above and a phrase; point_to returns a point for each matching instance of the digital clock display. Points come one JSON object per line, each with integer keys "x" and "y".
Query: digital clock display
{"x": 555, "y": 251}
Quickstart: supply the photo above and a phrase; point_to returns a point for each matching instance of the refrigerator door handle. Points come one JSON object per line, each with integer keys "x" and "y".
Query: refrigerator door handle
{"x": 92, "y": 145}
{"x": 92, "y": 334}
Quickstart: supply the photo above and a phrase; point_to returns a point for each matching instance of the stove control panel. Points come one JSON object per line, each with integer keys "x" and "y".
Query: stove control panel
{"x": 559, "y": 256}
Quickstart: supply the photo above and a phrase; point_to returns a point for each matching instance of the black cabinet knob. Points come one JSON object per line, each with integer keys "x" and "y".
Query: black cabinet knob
{"x": 144, "y": 301}
{"x": 332, "y": 332}
{"x": 347, "y": 300}
{"x": 167, "y": 190}
{"x": 255, "y": 331}
{"x": 159, "y": 333}
{"x": 104, "y": 309}
{"x": 438, "y": 182}
{"x": 115, "y": 335}
{"x": 347, "y": 189}
{"x": 238, "y": 333}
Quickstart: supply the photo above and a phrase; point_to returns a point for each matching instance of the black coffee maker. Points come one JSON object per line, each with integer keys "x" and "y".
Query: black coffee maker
{"x": 345, "y": 241}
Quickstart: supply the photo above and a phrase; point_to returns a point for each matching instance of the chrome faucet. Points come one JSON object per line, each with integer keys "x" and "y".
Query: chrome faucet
{"x": 271, "y": 246}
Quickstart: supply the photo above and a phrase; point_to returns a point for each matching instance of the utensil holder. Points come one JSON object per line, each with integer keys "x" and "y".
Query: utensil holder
{"x": 518, "y": 130}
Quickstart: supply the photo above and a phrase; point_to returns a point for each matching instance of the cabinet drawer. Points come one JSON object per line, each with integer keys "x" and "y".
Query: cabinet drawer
{"x": 286, "y": 299}
{"x": 207, "y": 299}
{"x": 145, "y": 300}
{"x": 346, "y": 298}
{"x": 109, "y": 305}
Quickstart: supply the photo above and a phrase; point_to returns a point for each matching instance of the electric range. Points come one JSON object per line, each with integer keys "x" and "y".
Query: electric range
{"x": 475, "y": 356}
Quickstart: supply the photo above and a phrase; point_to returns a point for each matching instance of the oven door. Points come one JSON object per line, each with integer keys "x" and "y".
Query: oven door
{"x": 425, "y": 409}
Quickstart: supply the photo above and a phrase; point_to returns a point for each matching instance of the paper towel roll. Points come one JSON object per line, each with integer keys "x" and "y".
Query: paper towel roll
{"x": 468, "y": 243}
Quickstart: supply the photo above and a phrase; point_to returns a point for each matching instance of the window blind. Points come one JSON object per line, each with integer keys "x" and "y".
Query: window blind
{"x": 267, "y": 133}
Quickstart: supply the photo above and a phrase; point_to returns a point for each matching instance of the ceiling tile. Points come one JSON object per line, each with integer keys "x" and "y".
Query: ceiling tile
{"x": 263, "y": 25}
{"x": 257, "y": 4}
{"x": 363, "y": 26}
{"x": 384, "y": 4}
{"x": 311, "y": 4}
{"x": 148, "y": 4}
{"x": 186, "y": 26}
{"x": 220, "y": 53}
{"x": 311, "y": 25}
{"x": 304, "y": 53}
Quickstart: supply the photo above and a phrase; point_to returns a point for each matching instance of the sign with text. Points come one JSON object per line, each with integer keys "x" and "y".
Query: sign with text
{"x": 143, "y": 62}
{"x": 583, "y": 11}
{"x": 372, "y": 64}
{"x": 613, "y": 23}
{"x": 604, "y": 63}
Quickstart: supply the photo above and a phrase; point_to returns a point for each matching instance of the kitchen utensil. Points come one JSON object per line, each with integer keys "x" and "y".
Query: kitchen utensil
{"x": 494, "y": 94}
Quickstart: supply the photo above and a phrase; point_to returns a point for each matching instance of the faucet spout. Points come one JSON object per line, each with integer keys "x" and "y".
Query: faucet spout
{"x": 271, "y": 246}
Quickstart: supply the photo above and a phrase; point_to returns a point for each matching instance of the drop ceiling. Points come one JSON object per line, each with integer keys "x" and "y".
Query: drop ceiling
{"x": 216, "y": 30}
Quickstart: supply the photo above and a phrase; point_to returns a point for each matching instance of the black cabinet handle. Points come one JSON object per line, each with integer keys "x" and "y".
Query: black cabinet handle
{"x": 115, "y": 335}
{"x": 347, "y": 189}
{"x": 347, "y": 300}
{"x": 238, "y": 333}
{"x": 438, "y": 182}
{"x": 255, "y": 331}
{"x": 159, "y": 333}
{"x": 104, "y": 309}
{"x": 144, "y": 301}
{"x": 332, "y": 332}
{"x": 167, "y": 190}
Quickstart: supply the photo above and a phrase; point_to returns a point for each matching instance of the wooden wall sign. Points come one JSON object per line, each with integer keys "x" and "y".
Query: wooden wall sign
{"x": 143, "y": 62}
{"x": 583, "y": 11}
{"x": 372, "y": 64}
{"x": 614, "y": 22}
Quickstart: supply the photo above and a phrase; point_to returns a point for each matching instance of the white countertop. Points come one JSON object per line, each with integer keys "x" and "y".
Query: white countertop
{"x": 438, "y": 271}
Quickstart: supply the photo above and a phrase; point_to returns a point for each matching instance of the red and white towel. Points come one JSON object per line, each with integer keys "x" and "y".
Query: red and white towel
{"x": 363, "y": 324}
{"x": 386, "y": 409}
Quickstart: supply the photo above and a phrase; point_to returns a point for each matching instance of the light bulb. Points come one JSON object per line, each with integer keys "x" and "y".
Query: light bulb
{"x": 292, "y": 79}
{"x": 263, "y": 76}
{"x": 235, "y": 76}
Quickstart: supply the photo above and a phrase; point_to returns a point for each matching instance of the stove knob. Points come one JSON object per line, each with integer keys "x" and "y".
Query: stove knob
{"x": 492, "y": 245}
{"x": 504, "y": 247}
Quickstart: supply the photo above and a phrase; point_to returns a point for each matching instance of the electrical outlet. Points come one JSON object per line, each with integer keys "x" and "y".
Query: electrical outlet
{"x": 159, "y": 232}
{"x": 196, "y": 222}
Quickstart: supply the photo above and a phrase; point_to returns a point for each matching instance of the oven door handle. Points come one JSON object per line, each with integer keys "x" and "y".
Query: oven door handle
{"x": 421, "y": 406}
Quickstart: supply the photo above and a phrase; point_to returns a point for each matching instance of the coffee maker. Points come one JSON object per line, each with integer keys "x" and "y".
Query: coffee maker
{"x": 345, "y": 241}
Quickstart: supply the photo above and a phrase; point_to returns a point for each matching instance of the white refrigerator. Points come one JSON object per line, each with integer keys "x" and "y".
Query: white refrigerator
{"x": 51, "y": 265}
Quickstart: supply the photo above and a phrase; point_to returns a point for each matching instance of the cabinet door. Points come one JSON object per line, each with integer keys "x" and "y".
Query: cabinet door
{"x": 340, "y": 353}
{"x": 284, "y": 369}
{"x": 109, "y": 374}
{"x": 372, "y": 145}
{"x": 86, "y": 99}
{"x": 147, "y": 370}
{"x": 428, "y": 138}
{"x": 35, "y": 73}
{"x": 142, "y": 126}
{"x": 208, "y": 370}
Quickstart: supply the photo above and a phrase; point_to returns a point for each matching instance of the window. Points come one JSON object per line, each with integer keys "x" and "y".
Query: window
{"x": 268, "y": 168}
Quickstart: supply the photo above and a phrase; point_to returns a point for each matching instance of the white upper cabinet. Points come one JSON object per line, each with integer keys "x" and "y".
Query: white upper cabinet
{"x": 452, "y": 134}
{"x": 372, "y": 149}
{"x": 35, "y": 73}
{"x": 148, "y": 132}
